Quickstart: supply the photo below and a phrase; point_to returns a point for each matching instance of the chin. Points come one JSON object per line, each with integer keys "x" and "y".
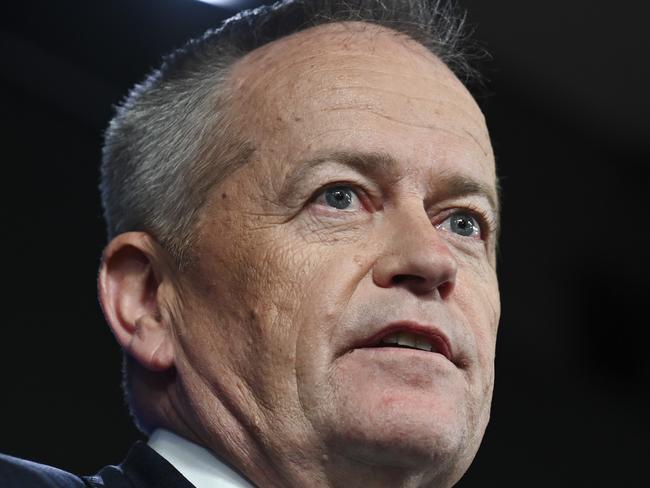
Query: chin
{"x": 404, "y": 437}
{"x": 418, "y": 429}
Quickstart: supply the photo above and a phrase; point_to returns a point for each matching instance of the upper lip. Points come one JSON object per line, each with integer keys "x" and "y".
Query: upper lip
{"x": 437, "y": 337}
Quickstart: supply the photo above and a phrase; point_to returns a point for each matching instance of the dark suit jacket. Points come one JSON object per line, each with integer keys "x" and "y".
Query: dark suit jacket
{"x": 142, "y": 468}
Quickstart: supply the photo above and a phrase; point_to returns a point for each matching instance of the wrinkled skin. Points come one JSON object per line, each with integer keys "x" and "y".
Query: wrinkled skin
{"x": 284, "y": 284}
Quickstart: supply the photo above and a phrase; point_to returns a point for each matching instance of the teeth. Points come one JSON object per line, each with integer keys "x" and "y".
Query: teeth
{"x": 390, "y": 339}
{"x": 409, "y": 340}
{"x": 423, "y": 344}
{"x": 406, "y": 339}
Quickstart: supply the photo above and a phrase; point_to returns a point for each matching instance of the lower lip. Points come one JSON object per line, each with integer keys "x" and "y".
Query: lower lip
{"x": 403, "y": 351}
{"x": 396, "y": 367}
{"x": 395, "y": 349}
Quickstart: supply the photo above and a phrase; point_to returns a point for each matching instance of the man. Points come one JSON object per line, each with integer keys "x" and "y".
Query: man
{"x": 302, "y": 209}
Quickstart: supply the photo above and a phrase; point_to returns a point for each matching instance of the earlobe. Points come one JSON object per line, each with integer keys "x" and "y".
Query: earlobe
{"x": 150, "y": 344}
{"x": 130, "y": 277}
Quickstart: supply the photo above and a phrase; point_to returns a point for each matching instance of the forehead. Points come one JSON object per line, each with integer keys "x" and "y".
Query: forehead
{"x": 358, "y": 87}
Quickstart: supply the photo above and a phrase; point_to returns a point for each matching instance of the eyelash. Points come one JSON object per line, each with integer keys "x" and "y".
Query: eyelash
{"x": 360, "y": 190}
{"x": 486, "y": 221}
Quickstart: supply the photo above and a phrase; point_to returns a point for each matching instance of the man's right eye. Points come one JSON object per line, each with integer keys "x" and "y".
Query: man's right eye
{"x": 340, "y": 197}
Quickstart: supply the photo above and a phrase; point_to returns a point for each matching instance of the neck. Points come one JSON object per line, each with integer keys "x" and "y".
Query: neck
{"x": 225, "y": 436}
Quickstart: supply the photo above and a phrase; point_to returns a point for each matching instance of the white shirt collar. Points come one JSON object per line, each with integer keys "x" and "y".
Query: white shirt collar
{"x": 202, "y": 468}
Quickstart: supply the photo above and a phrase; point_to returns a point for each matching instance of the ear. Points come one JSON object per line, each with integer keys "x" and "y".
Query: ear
{"x": 134, "y": 267}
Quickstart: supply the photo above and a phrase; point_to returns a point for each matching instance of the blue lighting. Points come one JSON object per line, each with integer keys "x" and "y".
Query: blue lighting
{"x": 225, "y": 3}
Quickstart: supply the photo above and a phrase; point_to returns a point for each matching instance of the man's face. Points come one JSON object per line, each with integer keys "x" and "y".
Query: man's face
{"x": 363, "y": 218}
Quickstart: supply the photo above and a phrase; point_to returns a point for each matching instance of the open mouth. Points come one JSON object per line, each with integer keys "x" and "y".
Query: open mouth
{"x": 413, "y": 340}
{"x": 407, "y": 340}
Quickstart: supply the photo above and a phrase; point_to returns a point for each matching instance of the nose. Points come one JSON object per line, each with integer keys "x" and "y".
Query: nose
{"x": 416, "y": 257}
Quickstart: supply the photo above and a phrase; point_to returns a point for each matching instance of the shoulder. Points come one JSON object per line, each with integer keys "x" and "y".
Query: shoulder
{"x": 19, "y": 473}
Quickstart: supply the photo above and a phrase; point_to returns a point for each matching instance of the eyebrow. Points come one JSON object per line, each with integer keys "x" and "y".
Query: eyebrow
{"x": 379, "y": 164}
{"x": 367, "y": 163}
{"x": 457, "y": 185}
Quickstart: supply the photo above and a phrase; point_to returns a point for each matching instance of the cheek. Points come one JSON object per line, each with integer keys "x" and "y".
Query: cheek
{"x": 280, "y": 278}
{"x": 477, "y": 298}
{"x": 237, "y": 328}
{"x": 329, "y": 277}
{"x": 299, "y": 286}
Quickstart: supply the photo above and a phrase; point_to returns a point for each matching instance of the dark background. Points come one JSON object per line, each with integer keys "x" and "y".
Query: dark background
{"x": 567, "y": 105}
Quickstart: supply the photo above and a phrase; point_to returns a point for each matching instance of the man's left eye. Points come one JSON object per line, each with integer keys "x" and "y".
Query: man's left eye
{"x": 340, "y": 197}
{"x": 462, "y": 223}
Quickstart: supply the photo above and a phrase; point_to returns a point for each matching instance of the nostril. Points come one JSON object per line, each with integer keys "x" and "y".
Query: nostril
{"x": 444, "y": 289}
{"x": 399, "y": 279}
{"x": 419, "y": 284}
{"x": 402, "y": 278}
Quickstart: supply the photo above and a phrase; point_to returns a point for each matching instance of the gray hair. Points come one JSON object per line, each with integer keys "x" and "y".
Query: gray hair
{"x": 170, "y": 142}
